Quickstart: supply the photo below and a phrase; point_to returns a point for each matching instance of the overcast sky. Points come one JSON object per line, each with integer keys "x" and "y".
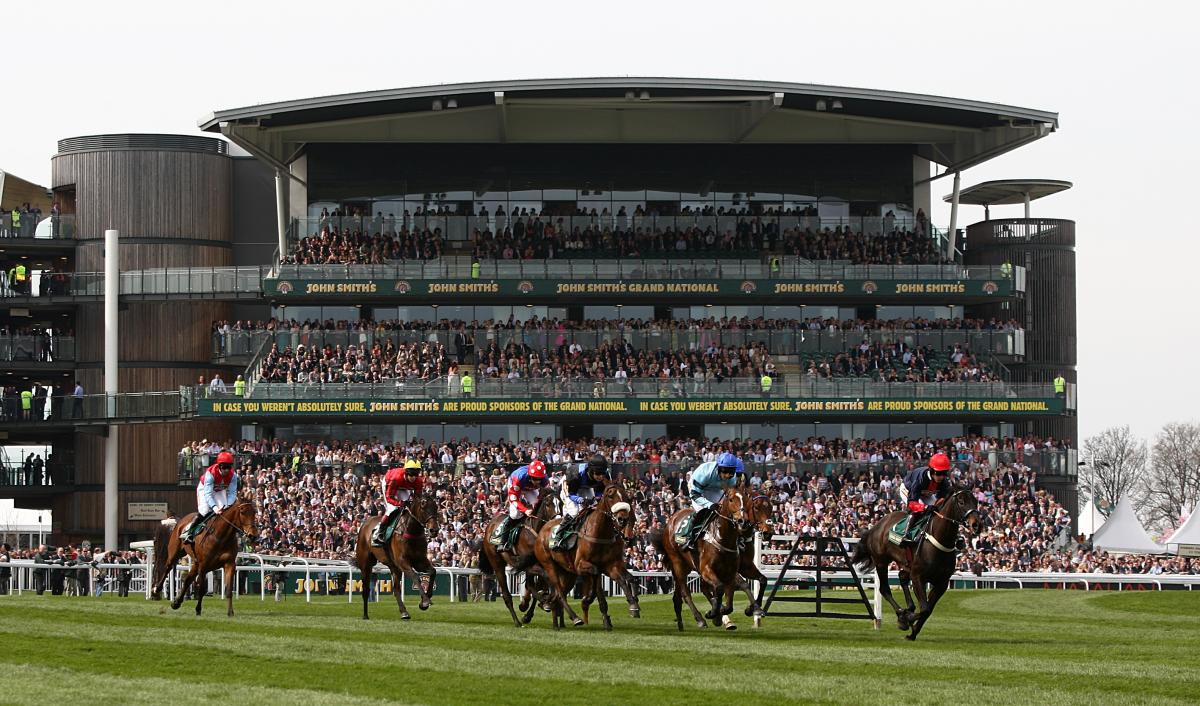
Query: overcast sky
{"x": 1116, "y": 74}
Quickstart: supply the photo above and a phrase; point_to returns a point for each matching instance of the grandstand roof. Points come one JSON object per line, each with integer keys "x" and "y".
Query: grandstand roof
{"x": 954, "y": 132}
{"x": 1008, "y": 191}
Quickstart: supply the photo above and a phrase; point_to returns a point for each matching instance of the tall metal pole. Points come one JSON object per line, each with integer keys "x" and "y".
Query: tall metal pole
{"x": 112, "y": 291}
{"x": 953, "y": 218}
{"x": 1026, "y": 205}
{"x": 281, "y": 209}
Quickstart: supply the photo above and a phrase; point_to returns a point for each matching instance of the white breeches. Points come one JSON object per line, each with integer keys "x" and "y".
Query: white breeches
{"x": 223, "y": 498}
{"x": 404, "y": 494}
{"x": 570, "y": 508}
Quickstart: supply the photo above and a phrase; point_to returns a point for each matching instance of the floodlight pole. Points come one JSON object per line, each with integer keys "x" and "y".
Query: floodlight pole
{"x": 1026, "y": 205}
{"x": 281, "y": 209}
{"x": 112, "y": 292}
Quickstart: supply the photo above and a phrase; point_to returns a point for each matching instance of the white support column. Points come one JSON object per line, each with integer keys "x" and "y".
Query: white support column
{"x": 953, "y": 218}
{"x": 1026, "y": 205}
{"x": 112, "y": 292}
{"x": 281, "y": 209}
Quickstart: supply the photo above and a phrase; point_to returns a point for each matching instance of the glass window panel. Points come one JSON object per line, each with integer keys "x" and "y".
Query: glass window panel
{"x": 499, "y": 432}
{"x": 414, "y": 313}
{"x": 430, "y": 433}
{"x": 783, "y": 312}
{"x": 724, "y": 432}
{"x": 942, "y": 431}
{"x": 797, "y": 431}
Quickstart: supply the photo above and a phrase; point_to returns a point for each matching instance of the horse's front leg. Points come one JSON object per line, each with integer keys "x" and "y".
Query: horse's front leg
{"x": 230, "y": 577}
{"x": 935, "y": 593}
{"x": 398, "y": 590}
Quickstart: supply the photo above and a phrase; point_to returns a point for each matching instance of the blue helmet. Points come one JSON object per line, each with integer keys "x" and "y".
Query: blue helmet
{"x": 728, "y": 460}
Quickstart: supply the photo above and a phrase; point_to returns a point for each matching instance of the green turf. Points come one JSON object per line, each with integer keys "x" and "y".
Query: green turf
{"x": 982, "y": 647}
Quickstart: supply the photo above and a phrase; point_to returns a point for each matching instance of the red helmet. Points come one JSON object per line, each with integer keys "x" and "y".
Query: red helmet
{"x": 537, "y": 469}
{"x": 224, "y": 458}
{"x": 940, "y": 462}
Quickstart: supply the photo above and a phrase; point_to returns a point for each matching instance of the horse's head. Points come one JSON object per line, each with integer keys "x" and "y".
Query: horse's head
{"x": 761, "y": 515}
{"x": 962, "y": 509}
{"x": 549, "y": 505}
{"x": 737, "y": 507}
{"x": 615, "y": 501}
{"x": 242, "y": 516}
{"x": 424, "y": 510}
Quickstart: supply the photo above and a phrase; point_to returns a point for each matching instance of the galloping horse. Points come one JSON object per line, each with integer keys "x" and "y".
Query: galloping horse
{"x": 521, "y": 557}
{"x": 932, "y": 563}
{"x": 759, "y": 520}
{"x": 717, "y": 558}
{"x": 215, "y": 547}
{"x": 599, "y": 550}
{"x": 407, "y": 551}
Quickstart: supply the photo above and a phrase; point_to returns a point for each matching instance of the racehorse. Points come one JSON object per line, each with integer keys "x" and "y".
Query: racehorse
{"x": 215, "y": 547}
{"x": 599, "y": 550}
{"x": 716, "y": 558}
{"x": 405, "y": 552}
{"x": 760, "y": 521}
{"x": 521, "y": 557}
{"x": 932, "y": 563}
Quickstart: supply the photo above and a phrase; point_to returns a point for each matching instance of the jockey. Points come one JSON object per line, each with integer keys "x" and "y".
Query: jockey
{"x": 926, "y": 485}
{"x": 707, "y": 488}
{"x": 216, "y": 491}
{"x": 581, "y": 486}
{"x": 399, "y": 484}
{"x": 522, "y": 491}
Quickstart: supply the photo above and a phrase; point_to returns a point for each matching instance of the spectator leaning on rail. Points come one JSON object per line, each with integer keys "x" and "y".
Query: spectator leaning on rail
{"x": 216, "y": 491}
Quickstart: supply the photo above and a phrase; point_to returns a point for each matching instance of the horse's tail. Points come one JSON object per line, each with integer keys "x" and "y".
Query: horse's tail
{"x": 485, "y": 564}
{"x": 862, "y": 556}
{"x": 162, "y": 542}
{"x": 656, "y": 538}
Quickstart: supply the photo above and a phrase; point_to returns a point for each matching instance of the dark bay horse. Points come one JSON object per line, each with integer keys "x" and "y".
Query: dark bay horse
{"x": 521, "y": 557}
{"x": 406, "y": 552}
{"x": 716, "y": 558}
{"x": 215, "y": 547}
{"x": 933, "y": 562}
{"x": 599, "y": 551}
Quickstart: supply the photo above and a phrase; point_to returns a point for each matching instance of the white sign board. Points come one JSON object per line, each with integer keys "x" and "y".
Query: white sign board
{"x": 1188, "y": 550}
{"x": 147, "y": 511}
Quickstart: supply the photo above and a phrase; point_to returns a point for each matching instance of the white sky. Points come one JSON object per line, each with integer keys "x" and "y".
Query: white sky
{"x": 1116, "y": 74}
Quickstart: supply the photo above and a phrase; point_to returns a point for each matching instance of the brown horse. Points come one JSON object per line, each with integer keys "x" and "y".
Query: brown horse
{"x": 759, "y": 521}
{"x": 931, "y": 564}
{"x": 599, "y": 550}
{"x": 716, "y": 559}
{"x": 215, "y": 547}
{"x": 407, "y": 552}
{"x": 521, "y": 557}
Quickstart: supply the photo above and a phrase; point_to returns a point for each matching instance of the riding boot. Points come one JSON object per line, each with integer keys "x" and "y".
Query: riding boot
{"x": 194, "y": 528}
{"x": 377, "y": 533}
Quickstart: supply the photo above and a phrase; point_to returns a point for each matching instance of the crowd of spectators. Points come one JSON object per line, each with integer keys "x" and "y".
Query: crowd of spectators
{"x": 80, "y": 574}
{"x": 529, "y": 234}
{"x": 312, "y": 496}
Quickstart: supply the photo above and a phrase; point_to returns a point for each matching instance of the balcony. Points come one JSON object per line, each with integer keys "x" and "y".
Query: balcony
{"x": 21, "y": 478}
{"x": 65, "y": 411}
{"x": 50, "y": 353}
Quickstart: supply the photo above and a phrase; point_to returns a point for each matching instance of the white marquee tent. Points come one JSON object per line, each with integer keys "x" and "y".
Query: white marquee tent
{"x": 1123, "y": 533}
{"x": 1187, "y": 534}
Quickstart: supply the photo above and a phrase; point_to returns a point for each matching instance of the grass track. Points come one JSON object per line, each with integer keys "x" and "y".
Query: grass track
{"x": 982, "y": 647}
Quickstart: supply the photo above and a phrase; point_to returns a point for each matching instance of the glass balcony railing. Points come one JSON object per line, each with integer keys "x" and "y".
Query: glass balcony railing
{"x": 789, "y": 341}
{"x": 791, "y": 387}
{"x": 35, "y": 473}
{"x": 91, "y": 409}
{"x": 34, "y": 227}
{"x": 37, "y": 349}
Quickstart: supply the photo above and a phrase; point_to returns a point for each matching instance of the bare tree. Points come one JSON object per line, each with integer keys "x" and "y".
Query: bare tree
{"x": 1115, "y": 461}
{"x": 1172, "y": 484}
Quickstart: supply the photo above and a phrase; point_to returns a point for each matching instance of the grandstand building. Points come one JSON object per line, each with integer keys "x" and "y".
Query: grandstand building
{"x": 607, "y": 203}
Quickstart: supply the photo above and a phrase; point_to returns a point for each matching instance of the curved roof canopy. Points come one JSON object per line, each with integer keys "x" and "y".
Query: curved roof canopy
{"x": 953, "y": 132}
{"x": 1008, "y": 191}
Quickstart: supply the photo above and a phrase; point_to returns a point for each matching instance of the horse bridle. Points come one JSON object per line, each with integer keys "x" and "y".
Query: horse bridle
{"x": 739, "y": 526}
{"x": 240, "y": 532}
{"x": 617, "y": 523}
{"x": 423, "y": 525}
{"x": 960, "y": 522}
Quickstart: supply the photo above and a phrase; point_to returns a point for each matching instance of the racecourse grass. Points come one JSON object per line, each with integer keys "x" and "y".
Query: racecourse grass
{"x": 981, "y": 647}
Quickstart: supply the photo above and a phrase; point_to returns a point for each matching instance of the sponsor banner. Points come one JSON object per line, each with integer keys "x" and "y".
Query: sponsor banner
{"x": 608, "y": 289}
{"x": 725, "y": 408}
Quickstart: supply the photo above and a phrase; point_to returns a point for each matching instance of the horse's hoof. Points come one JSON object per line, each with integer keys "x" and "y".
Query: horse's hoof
{"x": 910, "y": 638}
{"x": 424, "y": 606}
{"x": 608, "y": 625}
{"x": 635, "y": 612}
{"x": 405, "y": 616}
{"x": 749, "y": 612}
{"x": 679, "y": 625}
{"x": 577, "y": 622}
{"x": 712, "y": 615}
{"x": 730, "y": 626}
